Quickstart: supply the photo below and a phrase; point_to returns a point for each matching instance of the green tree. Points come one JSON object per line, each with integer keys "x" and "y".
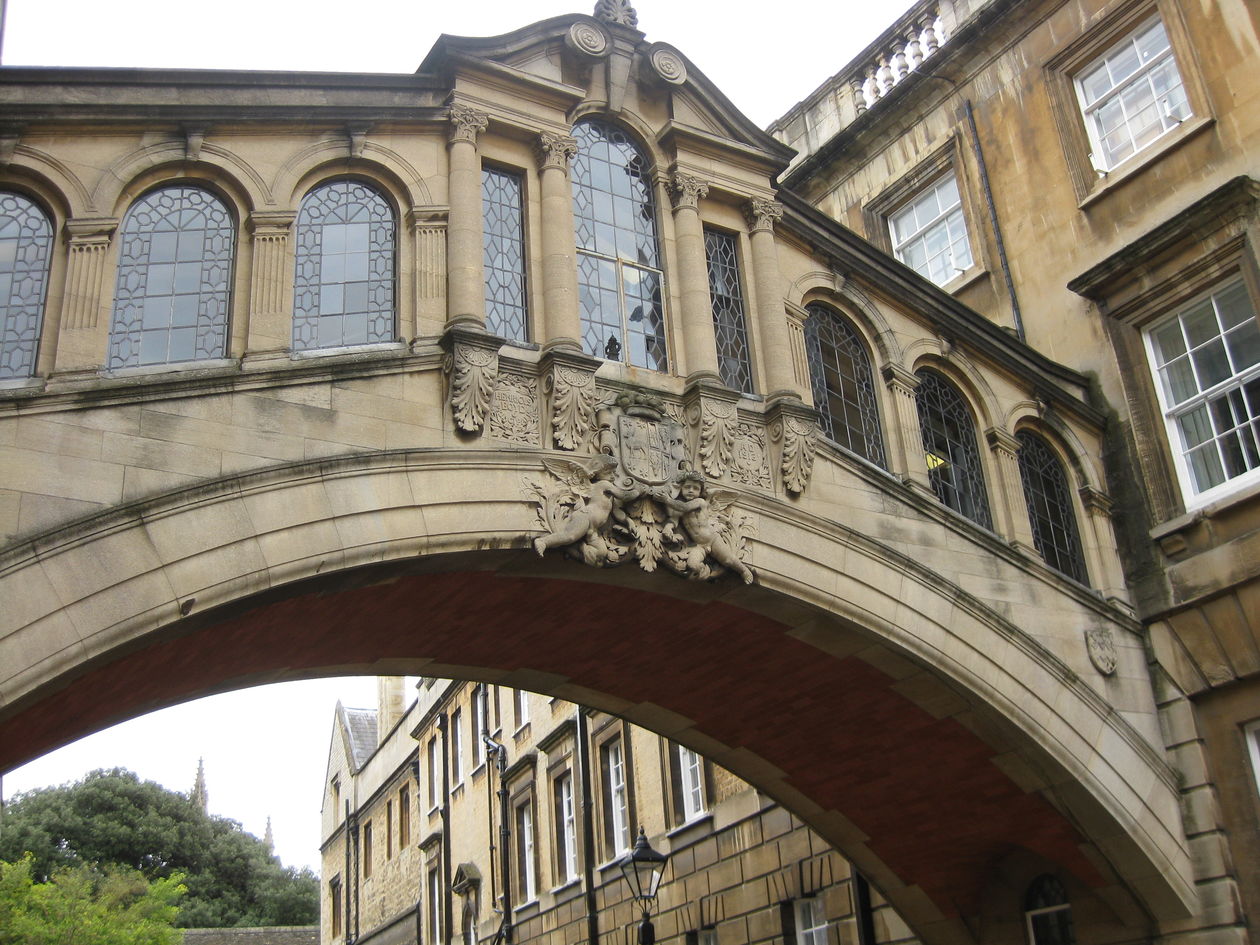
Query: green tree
{"x": 116, "y": 906}
{"x": 112, "y": 817}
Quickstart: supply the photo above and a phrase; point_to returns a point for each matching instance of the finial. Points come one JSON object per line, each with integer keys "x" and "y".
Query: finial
{"x": 200, "y": 796}
{"x": 616, "y": 11}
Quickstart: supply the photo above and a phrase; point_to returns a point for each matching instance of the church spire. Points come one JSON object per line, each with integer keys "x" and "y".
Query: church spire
{"x": 200, "y": 796}
{"x": 269, "y": 838}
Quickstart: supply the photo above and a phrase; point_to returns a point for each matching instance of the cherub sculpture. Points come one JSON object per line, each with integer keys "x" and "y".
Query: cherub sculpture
{"x": 579, "y": 514}
{"x": 695, "y": 509}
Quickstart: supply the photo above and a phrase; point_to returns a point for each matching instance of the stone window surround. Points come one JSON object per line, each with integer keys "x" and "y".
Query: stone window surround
{"x": 612, "y": 731}
{"x": 1251, "y": 732}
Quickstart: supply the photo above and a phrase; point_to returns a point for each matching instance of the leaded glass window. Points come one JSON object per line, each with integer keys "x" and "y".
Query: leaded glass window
{"x": 174, "y": 279}
{"x": 344, "y": 282}
{"x": 1048, "y": 913}
{"x": 501, "y": 208}
{"x": 842, "y": 385}
{"x": 619, "y": 269}
{"x": 25, "y": 248}
{"x": 949, "y": 445}
{"x": 728, "y": 310}
{"x": 1050, "y": 506}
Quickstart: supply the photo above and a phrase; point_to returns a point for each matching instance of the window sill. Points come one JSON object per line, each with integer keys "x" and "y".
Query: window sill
{"x": 1211, "y": 507}
{"x": 1126, "y": 170}
{"x": 21, "y": 383}
{"x": 696, "y": 824}
{"x": 520, "y": 733}
{"x": 457, "y": 789}
{"x": 348, "y": 349}
{"x": 965, "y": 280}
{"x": 478, "y": 771}
{"x": 565, "y": 886}
{"x": 530, "y": 906}
{"x": 172, "y": 367}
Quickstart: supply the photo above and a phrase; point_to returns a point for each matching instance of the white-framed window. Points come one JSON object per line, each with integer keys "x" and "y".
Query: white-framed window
{"x": 435, "y": 773}
{"x": 616, "y": 798}
{"x": 526, "y": 873}
{"x": 566, "y": 828}
{"x": 929, "y": 233}
{"x": 1206, "y": 360}
{"x": 477, "y": 723}
{"x": 691, "y": 783}
{"x": 520, "y": 706}
{"x": 1131, "y": 95}
{"x": 434, "y": 889}
{"x": 1047, "y": 913}
{"x": 1251, "y": 731}
{"x": 811, "y": 924}
{"x": 457, "y": 747}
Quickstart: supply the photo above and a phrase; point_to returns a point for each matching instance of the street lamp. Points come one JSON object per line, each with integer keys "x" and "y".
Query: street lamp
{"x": 643, "y": 867}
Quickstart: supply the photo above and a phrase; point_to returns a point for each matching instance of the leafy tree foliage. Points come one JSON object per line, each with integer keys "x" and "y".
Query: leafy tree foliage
{"x": 112, "y": 817}
{"x": 82, "y": 904}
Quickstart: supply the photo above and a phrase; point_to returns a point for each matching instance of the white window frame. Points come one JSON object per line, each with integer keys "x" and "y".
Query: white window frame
{"x": 1035, "y": 913}
{"x": 525, "y": 851}
{"x": 691, "y": 783}
{"x": 520, "y": 708}
{"x": 435, "y": 906}
{"x": 478, "y": 723}
{"x": 567, "y": 828}
{"x": 614, "y": 758}
{"x": 435, "y": 774}
{"x": 1174, "y": 412}
{"x": 811, "y": 923}
{"x": 457, "y": 748}
{"x": 1170, "y": 118}
{"x": 1251, "y": 731}
{"x": 947, "y": 218}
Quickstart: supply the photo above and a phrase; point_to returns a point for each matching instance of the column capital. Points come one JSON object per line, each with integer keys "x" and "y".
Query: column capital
{"x": 763, "y": 214}
{"x": 91, "y": 229}
{"x": 466, "y": 123}
{"x": 687, "y": 190}
{"x": 1000, "y": 440}
{"x": 898, "y": 378}
{"x": 556, "y": 150}
{"x": 271, "y": 221}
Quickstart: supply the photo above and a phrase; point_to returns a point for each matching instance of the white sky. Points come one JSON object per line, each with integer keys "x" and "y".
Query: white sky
{"x": 265, "y": 749}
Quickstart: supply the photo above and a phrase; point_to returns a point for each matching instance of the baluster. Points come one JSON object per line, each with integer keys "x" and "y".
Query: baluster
{"x": 884, "y": 77}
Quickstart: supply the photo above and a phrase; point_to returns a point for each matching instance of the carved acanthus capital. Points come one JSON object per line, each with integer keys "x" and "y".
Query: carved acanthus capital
{"x": 687, "y": 191}
{"x": 467, "y": 123}
{"x": 763, "y": 214}
{"x": 795, "y": 427}
{"x": 556, "y": 150}
{"x": 472, "y": 364}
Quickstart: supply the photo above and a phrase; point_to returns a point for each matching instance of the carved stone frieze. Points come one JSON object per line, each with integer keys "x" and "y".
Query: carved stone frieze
{"x": 749, "y": 457}
{"x": 467, "y": 123}
{"x": 573, "y": 399}
{"x": 639, "y": 499}
{"x": 798, "y": 438}
{"x": 471, "y": 364}
{"x": 514, "y": 413}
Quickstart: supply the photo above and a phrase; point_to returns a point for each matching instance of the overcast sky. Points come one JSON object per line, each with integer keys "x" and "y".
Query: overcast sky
{"x": 265, "y": 749}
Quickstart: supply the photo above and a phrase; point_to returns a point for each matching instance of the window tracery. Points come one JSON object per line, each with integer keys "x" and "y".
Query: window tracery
{"x": 25, "y": 253}
{"x": 842, "y": 384}
{"x": 949, "y": 445}
{"x": 1045, "y": 483}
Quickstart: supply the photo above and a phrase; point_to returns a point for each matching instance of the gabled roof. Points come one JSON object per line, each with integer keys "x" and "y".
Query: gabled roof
{"x": 358, "y": 728}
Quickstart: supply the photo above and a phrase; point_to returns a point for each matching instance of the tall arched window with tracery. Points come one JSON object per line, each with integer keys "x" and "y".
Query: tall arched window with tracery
{"x": 619, "y": 266}
{"x": 25, "y": 252}
{"x": 1050, "y": 506}
{"x": 343, "y": 286}
{"x": 174, "y": 279}
{"x": 842, "y": 384}
{"x": 949, "y": 446}
{"x": 1048, "y": 913}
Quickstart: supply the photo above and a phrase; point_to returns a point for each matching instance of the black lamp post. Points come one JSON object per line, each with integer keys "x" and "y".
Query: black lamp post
{"x": 643, "y": 867}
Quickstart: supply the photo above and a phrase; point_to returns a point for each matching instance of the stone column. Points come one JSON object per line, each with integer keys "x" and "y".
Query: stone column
{"x": 270, "y": 326}
{"x": 905, "y": 439}
{"x": 773, "y": 338}
{"x": 1099, "y": 539}
{"x": 698, "y": 337}
{"x": 83, "y": 338}
{"x": 466, "y": 292}
{"x": 562, "y": 320}
{"x": 1012, "y": 518}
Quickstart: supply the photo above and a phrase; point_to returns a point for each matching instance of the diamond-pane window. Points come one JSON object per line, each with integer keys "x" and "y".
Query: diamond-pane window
{"x": 1050, "y": 506}
{"x": 619, "y": 276}
{"x": 842, "y": 385}
{"x": 25, "y": 248}
{"x": 949, "y": 445}
{"x": 502, "y": 213}
{"x": 728, "y": 310}
{"x": 343, "y": 287}
{"x": 174, "y": 279}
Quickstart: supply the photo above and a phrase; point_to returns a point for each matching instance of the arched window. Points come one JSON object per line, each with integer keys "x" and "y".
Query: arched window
{"x": 25, "y": 248}
{"x": 174, "y": 279}
{"x": 1050, "y": 506}
{"x": 840, "y": 377}
{"x": 619, "y": 268}
{"x": 949, "y": 444}
{"x": 1048, "y": 914}
{"x": 343, "y": 287}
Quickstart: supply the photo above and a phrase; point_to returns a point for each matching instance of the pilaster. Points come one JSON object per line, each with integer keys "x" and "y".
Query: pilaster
{"x": 906, "y": 440}
{"x": 84, "y": 332}
{"x": 270, "y": 329}
{"x": 1013, "y": 522}
{"x": 428, "y": 227}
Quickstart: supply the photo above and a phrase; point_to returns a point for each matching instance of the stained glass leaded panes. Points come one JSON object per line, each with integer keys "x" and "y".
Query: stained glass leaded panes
{"x": 174, "y": 279}
{"x": 344, "y": 282}
{"x": 728, "y": 310}
{"x": 501, "y": 209}
{"x": 619, "y": 275}
{"x": 1050, "y": 506}
{"x": 25, "y": 245}
{"x": 842, "y": 385}
{"x": 949, "y": 445}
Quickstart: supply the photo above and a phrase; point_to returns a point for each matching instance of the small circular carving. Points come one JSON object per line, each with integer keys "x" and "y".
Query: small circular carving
{"x": 1102, "y": 649}
{"x": 588, "y": 38}
{"x": 669, "y": 65}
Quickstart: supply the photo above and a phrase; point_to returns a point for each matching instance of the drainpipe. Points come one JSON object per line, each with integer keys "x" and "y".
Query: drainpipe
{"x": 352, "y": 880}
{"x": 505, "y": 831}
{"x": 588, "y": 828}
{"x": 352, "y": 826}
{"x": 447, "y": 905}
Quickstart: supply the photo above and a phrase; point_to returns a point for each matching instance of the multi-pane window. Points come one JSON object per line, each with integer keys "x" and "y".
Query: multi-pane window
{"x": 728, "y": 310}
{"x": 929, "y": 233}
{"x": 26, "y": 240}
{"x": 842, "y": 385}
{"x": 334, "y": 901}
{"x": 566, "y": 828}
{"x": 504, "y": 222}
{"x": 1050, "y": 506}
{"x": 690, "y": 783}
{"x": 520, "y": 708}
{"x": 811, "y": 924}
{"x": 1047, "y": 913}
{"x": 457, "y": 747}
{"x": 404, "y": 817}
{"x": 476, "y": 724}
{"x": 1207, "y": 361}
{"x": 343, "y": 291}
{"x": 367, "y": 850}
{"x": 174, "y": 277}
{"x": 526, "y": 873}
{"x": 1131, "y": 95}
{"x": 434, "y": 889}
{"x": 619, "y": 267}
{"x": 434, "y": 760}
{"x": 615, "y": 797}
{"x": 949, "y": 446}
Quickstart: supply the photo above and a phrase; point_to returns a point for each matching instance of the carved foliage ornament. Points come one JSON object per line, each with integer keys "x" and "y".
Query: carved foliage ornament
{"x": 800, "y": 443}
{"x": 467, "y": 123}
{"x": 688, "y": 190}
{"x": 616, "y": 11}
{"x": 638, "y": 499}
{"x": 473, "y": 370}
{"x": 572, "y": 406}
{"x": 763, "y": 214}
{"x": 556, "y": 150}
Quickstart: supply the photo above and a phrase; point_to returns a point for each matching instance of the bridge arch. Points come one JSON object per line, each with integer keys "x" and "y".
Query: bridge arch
{"x": 920, "y": 730}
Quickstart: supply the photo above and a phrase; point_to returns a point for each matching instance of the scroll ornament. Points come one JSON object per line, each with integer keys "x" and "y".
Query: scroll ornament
{"x": 474, "y": 373}
{"x": 572, "y": 406}
{"x": 639, "y": 499}
{"x": 800, "y": 443}
{"x": 718, "y": 422}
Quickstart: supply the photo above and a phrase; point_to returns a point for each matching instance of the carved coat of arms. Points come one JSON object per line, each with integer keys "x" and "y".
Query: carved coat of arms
{"x": 639, "y": 498}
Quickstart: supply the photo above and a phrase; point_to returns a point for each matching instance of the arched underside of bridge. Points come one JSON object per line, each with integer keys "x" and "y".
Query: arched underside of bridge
{"x": 875, "y": 723}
